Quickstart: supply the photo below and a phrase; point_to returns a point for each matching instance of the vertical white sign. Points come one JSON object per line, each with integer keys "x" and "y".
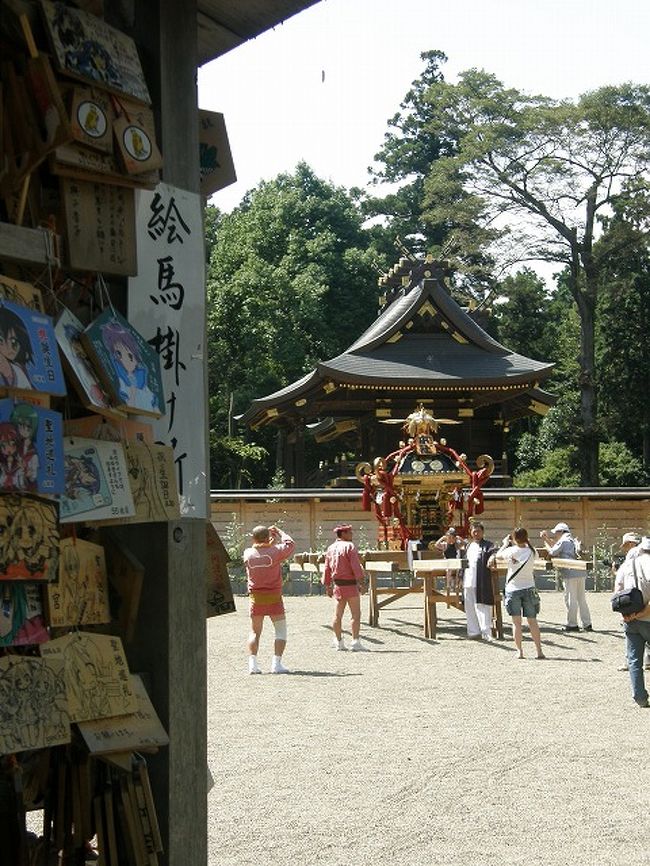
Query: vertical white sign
{"x": 166, "y": 304}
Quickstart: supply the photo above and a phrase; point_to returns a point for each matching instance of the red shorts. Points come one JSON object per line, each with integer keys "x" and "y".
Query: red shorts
{"x": 266, "y": 604}
{"x": 345, "y": 592}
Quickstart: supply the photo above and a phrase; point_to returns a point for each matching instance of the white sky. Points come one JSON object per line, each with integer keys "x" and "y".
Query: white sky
{"x": 279, "y": 110}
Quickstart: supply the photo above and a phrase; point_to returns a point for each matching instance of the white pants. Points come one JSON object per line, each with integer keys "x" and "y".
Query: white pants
{"x": 479, "y": 616}
{"x": 575, "y": 598}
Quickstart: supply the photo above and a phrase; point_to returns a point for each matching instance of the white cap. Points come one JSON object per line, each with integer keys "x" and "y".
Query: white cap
{"x": 630, "y": 538}
{"x": 645, "y": 543}
{"x": 560, "y": 527}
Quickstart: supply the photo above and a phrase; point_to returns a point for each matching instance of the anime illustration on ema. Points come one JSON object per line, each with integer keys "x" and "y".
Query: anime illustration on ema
{"x": 85, "y": 46}
{"x": 68, "y": 330}
{"x": 96, "y": 674}
{"x": 21, "y": 618}
{"x": 29, "y": 538}
{"x": 31, "y": 448}
{"x": 128, "y": 365}
{"x": 33, "y": 704}
{"x": 29, "y": 359}
{"x": 80, "y": 596}
{"x": 96, "y": 481}
{"x": 86, "y": 486}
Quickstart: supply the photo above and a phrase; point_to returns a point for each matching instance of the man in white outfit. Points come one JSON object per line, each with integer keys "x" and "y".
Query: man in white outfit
{"x": 563, "y": 546}
{"x": 636, "y": 572}
{"x": 478, "y": 593}
{"x": 630, "y": 548}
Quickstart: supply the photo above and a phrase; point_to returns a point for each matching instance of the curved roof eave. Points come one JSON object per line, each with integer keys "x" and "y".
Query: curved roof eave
{"x": 290, "y": 392}
{"x": 524, "y": 379}
{"x": 406, "y": 306}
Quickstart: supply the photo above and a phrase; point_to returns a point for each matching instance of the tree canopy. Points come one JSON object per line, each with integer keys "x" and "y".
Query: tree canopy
{"x": 542, "y": 172}
{"x": 489, "y": 178}
{"x": 290, "y": 282}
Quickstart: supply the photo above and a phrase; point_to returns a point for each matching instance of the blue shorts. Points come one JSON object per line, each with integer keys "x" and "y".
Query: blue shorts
{"x": 523, "y": 602}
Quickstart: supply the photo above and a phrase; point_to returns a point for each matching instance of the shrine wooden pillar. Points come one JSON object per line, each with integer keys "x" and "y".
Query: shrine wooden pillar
{"x": 171, "y": 644}
{"x": 299, "y": 457}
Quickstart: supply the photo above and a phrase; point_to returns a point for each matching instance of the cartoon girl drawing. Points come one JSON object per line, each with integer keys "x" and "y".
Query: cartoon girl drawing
{"x": 130, "y": 370}
{"x": 11, "y": 466}
{"x": 15, "y": 350}
{"x": 82, "y": 477}
{"x": 25, "y": 419}
{"x": 83, "y": 368}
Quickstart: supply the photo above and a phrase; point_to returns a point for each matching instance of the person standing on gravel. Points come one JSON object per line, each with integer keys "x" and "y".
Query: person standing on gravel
{"x": 263, "y": 561}
{"x": 636, "y": 572}
{"x": 563, "y": 546}
{"x": 343, "y": 578}
{"x": 629, "y": 549}
{"x": 478, "y": 592}
{"x": 522, "y": 598}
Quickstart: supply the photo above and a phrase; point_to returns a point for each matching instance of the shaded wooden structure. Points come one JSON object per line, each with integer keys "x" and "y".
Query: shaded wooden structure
{"x": 423, "y": 348}
{"x": 172, "y": 40}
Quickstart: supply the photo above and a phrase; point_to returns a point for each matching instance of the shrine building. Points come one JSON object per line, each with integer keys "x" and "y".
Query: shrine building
{"x": 423, "y": 349}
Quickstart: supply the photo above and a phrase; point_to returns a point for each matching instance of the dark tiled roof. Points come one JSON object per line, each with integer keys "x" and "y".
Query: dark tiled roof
{"x": 424, "y": 339}
{"x": 406, "y": 306}
{"x": 294, "y": 391}
{"x": 432, "y": 359}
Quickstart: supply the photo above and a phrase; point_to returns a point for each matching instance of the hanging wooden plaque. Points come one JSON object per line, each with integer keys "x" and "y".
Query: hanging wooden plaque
{"x": 91, "y": 118}
{"x": 100, "y": 227}
{"x": 29, "y": 538}
{"x": 96, "y": 675}
{"x": 80, "y": 596}
{"x": 86, "y": 47}
{"x": 33, "y": 704}
{"x": 136, "y": 731}
{"x": 217, "y": 169}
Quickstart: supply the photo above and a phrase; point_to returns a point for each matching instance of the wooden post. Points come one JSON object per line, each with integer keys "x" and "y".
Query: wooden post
{"x": 171, "y": 651}
{"x": 497, "y": 611}
{"x": 430, "y": 616}
{"x": 171, "y": 645}
{"x": 373, "y": 612}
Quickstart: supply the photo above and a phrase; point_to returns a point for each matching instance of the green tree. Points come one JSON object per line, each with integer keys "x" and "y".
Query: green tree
{"x": 623, "y": 348}
{"x": 526, "y": 315}
{"x": 290, "y": 282}
{"x": 545, "y": 171}
{"x": 405, "y": 158}
{"x": 411, "y": 146}
{"x": 212, "y": 217}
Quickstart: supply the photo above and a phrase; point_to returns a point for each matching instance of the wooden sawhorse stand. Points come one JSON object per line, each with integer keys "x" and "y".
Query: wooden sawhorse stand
{"x": 428, "y": 569}
{"x": 392, "y": 593}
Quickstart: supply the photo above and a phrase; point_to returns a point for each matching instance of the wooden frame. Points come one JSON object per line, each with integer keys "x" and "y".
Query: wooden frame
{"x": 375, "y": 569}
{"x": 423, "y": 581}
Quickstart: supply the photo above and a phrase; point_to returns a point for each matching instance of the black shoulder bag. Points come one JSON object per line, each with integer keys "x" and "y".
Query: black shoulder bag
{"x": 629, "y": 600}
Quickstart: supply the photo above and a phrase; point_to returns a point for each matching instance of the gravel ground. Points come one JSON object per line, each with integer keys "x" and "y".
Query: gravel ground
{"x": 425, "y": 752}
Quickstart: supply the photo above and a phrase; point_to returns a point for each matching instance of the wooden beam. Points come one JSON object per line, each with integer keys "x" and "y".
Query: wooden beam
{"x": 33, "y": 246}
{"x": 574, "y": 564}
{"x": 426, "y": 566}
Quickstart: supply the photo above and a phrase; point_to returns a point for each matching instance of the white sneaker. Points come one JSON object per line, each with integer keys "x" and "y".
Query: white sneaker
{"x": 357, "y": 647}
{"x": 339, "y": 645}
{"x": 252, "y": 666}
{"x": 279, "y": 668}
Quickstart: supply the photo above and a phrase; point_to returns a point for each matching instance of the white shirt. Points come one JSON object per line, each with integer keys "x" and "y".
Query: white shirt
{"x": 633, "y": 552}
{"x": 522, "y": 561}
{"x": 625, "y": 577}
{"x": 473, "y": 554}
